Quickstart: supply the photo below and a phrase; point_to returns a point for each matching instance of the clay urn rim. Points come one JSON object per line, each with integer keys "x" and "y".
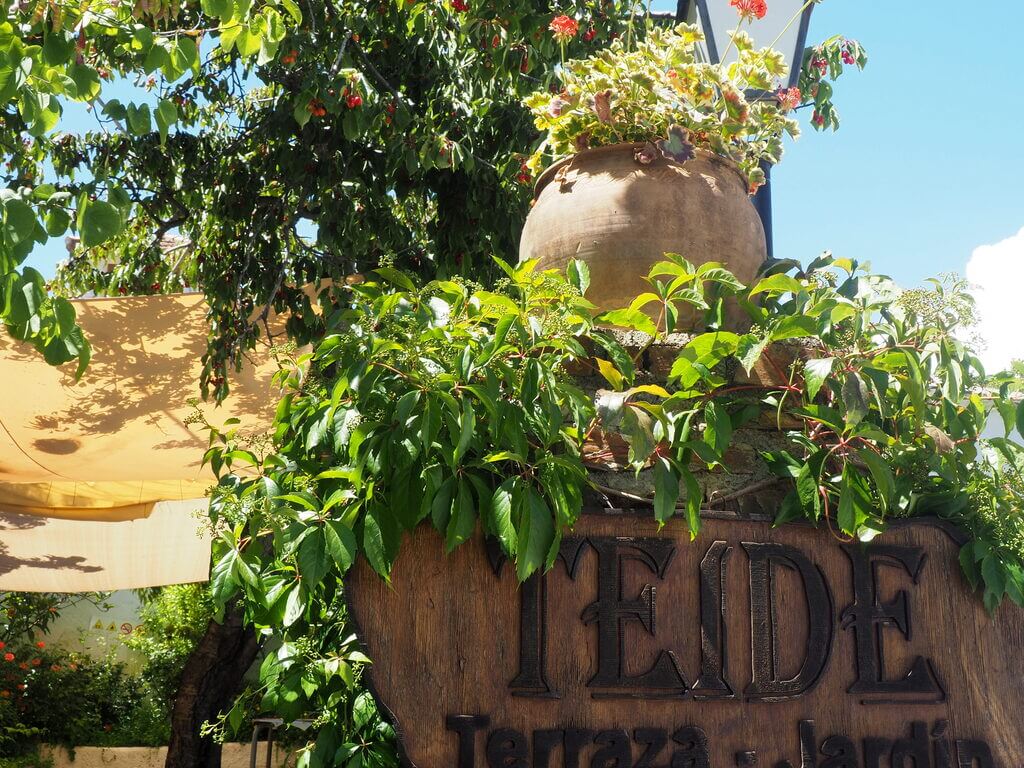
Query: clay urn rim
{"x": 548, "y": 175}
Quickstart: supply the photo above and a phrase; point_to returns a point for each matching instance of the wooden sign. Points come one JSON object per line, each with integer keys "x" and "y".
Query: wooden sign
{"x": 751, "y": 646}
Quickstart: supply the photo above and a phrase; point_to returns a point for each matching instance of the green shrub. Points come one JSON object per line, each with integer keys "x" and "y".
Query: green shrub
{"x": 172, "y": 621}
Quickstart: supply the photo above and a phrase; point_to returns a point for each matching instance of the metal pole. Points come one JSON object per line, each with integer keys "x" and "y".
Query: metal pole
{"x": 763, "y": 203}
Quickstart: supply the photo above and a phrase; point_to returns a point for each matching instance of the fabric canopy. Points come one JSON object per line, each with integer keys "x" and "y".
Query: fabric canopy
{"x": 117, "y": 439}
{"x": 48, "y": 554}
{"x": 106, "y": 449}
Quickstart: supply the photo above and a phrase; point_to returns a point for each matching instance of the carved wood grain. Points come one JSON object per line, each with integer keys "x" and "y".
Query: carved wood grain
{"x": 445, "y": 640}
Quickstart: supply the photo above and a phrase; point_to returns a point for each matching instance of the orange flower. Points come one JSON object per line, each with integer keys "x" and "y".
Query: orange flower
{"x": 40, "y": 644}
{"x": 750, "y": 9}
{"x": 564, "y": 27}
{"x": 8, "y": 656}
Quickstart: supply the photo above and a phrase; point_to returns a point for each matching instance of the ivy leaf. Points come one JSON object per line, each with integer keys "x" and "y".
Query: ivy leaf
{"x": 816, "y": 372}
{"x": 501, "y": 515}
{"x": 694, "y": 496}
{"x": 467, "y": 428}
{"x": 578, "y": 274}
{"x": 808, "y": 481}
{"x": 611, "y": 374}
{"x": 776, "y": 284}
{"x": 666, "y": 489}
{"x": 373, "y": 544}
{"x": 677, "y": 145}
{"x": 463, "y": 520}
{"x": 98, "y": 221}
{"x": 717, "y": 427}
{"x": 536, "y": 532}
{"x": 629, "y": 318}
{"x": 222, "y": 578}
{"x": 341, "y": 544}
{"x": 855, "y": 398}
{"x": 794, "y": 327}
{"x": 884, "y": 479}
{"x": 294, "y": 604}
{"x": 312, "y": 558}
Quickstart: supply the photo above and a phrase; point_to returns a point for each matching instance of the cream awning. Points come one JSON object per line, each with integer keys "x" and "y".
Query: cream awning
{"x": 50, "y": 554}
{"x": 110, "y": 446}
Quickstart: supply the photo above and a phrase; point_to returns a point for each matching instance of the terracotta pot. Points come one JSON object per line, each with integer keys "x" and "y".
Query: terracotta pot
{"x": 620, "y": 217}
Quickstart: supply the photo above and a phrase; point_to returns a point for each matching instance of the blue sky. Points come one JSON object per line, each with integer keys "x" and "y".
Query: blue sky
{"x": 927, "y": 167}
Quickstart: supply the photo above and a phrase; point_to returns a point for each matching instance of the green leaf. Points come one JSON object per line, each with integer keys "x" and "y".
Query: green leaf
{"x": 467, "y": 428}
{"x": 628, "y": 318}
{"x": 166, "y": 116}
{"x": 854, "y": 502}
{"x": 970, "y": 565}
{"x": 578, "y": 274}
{"x": 1020, "y": 418}
{"x": 778, "y": 283}
{"x": 98, "y": 221}
{"x": 717, "y": 427}
{"x": 463, "y": 519}
{"x": 57, "y": 222}
{"x": 794, "y": 327}
{"x": 536, "y": 532}
{"x": 666, "y": 489}
{"x": 19, "y": 220}
{"x": 884, "y": 479}
{"x": 341, "y": 544}
{"x": 293, "y": 10}
{"x": 994, "y": 574}
{"x": 295, "y": 604}
{"x": 816, "y": 372}
{"x": 373, "y": 544}
{"x": 222, "y": 578}
{"x": 694, "y": 496}
{"x": 312, "y": 558}
{"x": 501, "y": 515}
{"x": 808, "y": 481}
{"x": 611, "y": 374}
{"x": 218, "y": 8}
{"x": 396, "y": 277}
{"x": 855, "y": 398}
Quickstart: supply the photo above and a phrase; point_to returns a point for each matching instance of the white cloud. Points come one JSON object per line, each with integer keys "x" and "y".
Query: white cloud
{"x": 997, "y": 274}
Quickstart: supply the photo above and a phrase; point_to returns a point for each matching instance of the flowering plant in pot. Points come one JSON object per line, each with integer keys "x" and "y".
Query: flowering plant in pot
{"x": 659, "y": 92}
{"x": 656, "y": 149}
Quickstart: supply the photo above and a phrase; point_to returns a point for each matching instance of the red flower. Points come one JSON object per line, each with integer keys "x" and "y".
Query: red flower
{"x": 40, "y": 644}
{"x": 8, "y": 656}
{"x": 564, "y": 27}
{"x": 55, "y": 668}
{"x": 5, "y": 694}
{"x": 460, "y": 6}
{"x": 2, "y": 645}
{"x": 22, "y": 686}
{"x": 354, "y": 100}
{"x": 750, "y": 9}
{"x": 36, "y": 662}
{"x": 789, "y": 99}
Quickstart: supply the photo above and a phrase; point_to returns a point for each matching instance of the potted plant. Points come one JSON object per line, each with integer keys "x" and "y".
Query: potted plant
{"x": 648, "y": 149}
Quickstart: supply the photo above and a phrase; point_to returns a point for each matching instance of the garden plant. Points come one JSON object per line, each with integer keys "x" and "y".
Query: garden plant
{"x": 384, "y": 150}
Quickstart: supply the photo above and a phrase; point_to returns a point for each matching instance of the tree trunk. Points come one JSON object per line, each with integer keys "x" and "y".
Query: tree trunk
{"x": 211, "y": 678}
